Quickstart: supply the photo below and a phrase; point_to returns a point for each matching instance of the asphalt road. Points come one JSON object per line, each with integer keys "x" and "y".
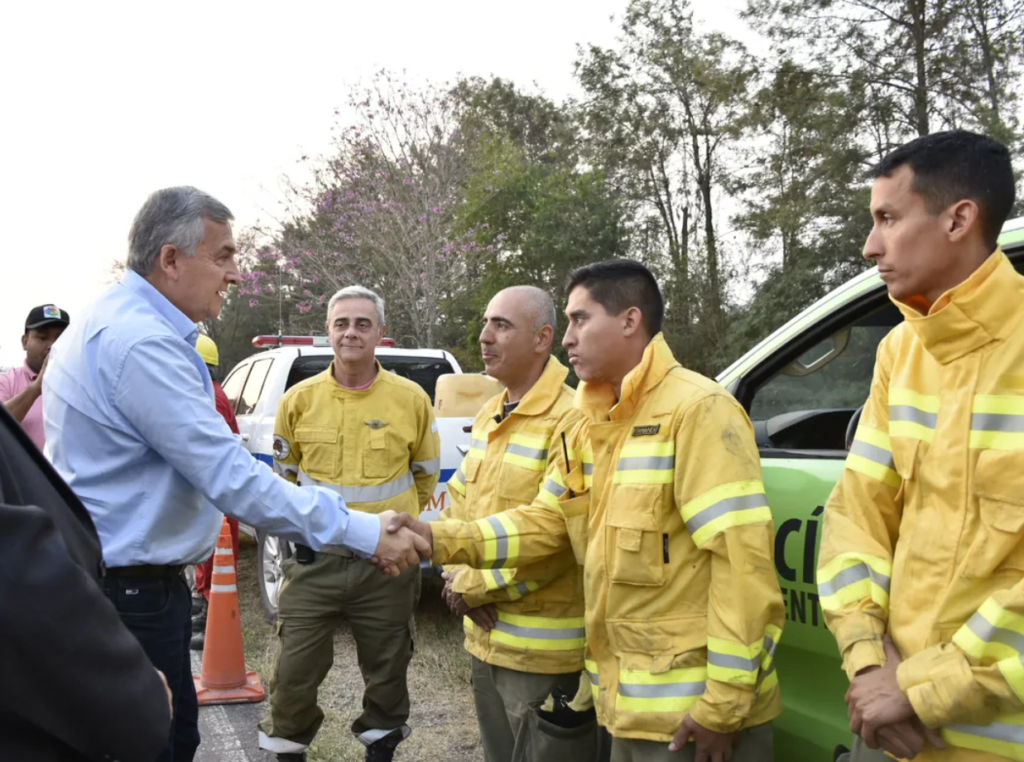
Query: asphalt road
{"x": 229, "y": 731}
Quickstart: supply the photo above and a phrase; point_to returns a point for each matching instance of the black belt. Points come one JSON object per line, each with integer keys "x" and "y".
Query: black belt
{"x": 148, "y": 571}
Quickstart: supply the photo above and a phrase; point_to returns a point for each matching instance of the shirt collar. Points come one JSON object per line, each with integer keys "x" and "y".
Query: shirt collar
{"x": 179, "y": 321}
{"x": 29, "y": 372}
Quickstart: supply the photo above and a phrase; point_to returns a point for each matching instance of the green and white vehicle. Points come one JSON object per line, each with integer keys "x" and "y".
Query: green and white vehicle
{"x": 803, "y": 387}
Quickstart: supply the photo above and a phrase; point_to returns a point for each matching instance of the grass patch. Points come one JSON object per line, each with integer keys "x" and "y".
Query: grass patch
{"x": 443, "y": 718}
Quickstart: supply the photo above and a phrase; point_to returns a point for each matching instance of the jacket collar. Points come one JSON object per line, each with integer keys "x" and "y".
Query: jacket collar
{"x": 598, "y": 399}
{"x": 543, "y": 394}
{"x": 984, "y": 308}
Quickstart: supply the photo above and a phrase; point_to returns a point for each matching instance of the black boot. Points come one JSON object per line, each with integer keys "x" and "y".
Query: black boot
{"x": 384, "y": 749}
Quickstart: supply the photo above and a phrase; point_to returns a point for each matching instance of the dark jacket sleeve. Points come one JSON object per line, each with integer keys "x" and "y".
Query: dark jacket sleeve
{"x": 70, "y": 666}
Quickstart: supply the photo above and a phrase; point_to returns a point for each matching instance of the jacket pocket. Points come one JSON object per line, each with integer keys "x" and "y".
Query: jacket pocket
{"x": 997, "y": 544}
{"x": 637, "y": 542}
{"x": 318, "y": 448}
{"x": 517, "y": 485}
{"x": 576, "y": 511}
{"x": 376, "y": 456}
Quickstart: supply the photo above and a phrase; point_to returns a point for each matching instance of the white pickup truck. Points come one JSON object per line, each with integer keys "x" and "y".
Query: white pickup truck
{"x": 255, "y": 387}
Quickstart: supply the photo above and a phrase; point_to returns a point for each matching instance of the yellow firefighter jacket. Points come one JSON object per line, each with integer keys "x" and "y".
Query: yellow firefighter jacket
{"x": 923, "y": 534}
{"x": 662, "y": 501}
{"x": 377, "y": 448}
{"x": 540, "y": 606}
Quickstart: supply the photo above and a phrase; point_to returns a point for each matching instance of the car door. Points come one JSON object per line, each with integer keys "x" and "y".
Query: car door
{"x": 801, "y": 400}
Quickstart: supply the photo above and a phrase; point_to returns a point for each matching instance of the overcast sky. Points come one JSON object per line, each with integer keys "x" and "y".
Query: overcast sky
{"x": 105, "y": 102}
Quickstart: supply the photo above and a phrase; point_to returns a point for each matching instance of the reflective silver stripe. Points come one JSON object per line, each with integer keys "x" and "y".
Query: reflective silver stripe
{"x": 849, "y": 576}
{"x": 761, "y": 677}
{"x": 648, "y": 463}
{"x": 769, "y": 646}
{"x": 223, "y": 569}
{"x": 722, "y": 507}
{"x": 997, "y": 731}
{"x": 873, "y": 453}
{"x": 728, "y": 661}
{"x": 369, "y": 494}
{"x": 540, "y": 633}
{"x": 912, "y": 414}
{"x": 429, "y": 467}
{"x": 223, "y": 588}
{"x": 523, "y": 588}
{"x": 499, "y": 580}
{"x": 224, "y": 552}
{"x": 527, "y": 452}
{"x": 593, "y": 678}
{"x": 588, "y": 468}
{"x": 663, "y": 690}
{"x": 989, "y": 633}
{"x": 555, "y": 488}
{"x": 997, "y": 422}
{"x": 479, "y": 444}
{"x": 502, "y": 542}
{"x": 460, "y": 475}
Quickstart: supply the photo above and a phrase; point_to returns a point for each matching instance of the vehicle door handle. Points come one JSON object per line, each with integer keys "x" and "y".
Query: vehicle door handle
{"x": 463, "y": 449}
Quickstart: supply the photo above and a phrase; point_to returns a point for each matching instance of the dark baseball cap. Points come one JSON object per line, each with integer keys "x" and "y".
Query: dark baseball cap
{"x": 46, "y": 315}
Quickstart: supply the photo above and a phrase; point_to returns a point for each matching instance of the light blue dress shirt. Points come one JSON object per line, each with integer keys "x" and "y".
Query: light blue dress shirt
{"x": 131, "y": 425}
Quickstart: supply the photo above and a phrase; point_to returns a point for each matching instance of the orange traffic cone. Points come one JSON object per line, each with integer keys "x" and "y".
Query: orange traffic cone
{"x": 224, "y": 679}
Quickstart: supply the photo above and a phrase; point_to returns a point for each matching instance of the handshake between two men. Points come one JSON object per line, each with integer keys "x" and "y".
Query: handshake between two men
{"x": 403, "y": 542}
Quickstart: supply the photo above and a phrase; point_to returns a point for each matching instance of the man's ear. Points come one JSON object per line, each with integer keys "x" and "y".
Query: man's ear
{"x": 964, "y": 218}
{"x": 544, "y": 339}
{"x": 632, "y": 321}
{"x": 169, "y": 262}
{"x": 24, "y": 341}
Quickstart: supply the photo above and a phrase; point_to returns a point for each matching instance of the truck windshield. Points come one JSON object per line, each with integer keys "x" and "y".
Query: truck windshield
{"x": 423, "y": 370}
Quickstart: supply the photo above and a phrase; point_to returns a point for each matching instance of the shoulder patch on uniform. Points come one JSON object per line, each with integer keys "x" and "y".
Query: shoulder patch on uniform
{"x": 281, "y": 448}
{"x": 646, "y": 431}
{"x": 376, "y": 423}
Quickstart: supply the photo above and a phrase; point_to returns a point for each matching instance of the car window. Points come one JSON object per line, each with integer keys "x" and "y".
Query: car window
{"x": 254, "y": 387}
{"x": 234, "y": 383}
{"x": 423, "y": 370}
{"x": 808, "y": 403}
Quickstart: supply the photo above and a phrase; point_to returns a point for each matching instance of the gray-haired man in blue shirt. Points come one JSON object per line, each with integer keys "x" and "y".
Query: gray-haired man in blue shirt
{"x": 132, "y": 427}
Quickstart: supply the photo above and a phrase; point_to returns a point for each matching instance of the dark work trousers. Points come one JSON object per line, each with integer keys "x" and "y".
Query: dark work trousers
{"x": 158, "y": 613}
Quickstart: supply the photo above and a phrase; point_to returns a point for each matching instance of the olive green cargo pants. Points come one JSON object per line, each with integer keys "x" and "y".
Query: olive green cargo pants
{"x": 315, "y": 599}
{"x": 511, "y": 730}
{"x": 756, "y": 744}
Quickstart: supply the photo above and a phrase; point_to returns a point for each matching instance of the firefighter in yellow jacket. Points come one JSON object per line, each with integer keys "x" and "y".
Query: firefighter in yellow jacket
{"x": 922, "y": 541}
{"x": 370, "y": 435}
{"x": 661, "y": 499}
{"x": 524, "y": 627}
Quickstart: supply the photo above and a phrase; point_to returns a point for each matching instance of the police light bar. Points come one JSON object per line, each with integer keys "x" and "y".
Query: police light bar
{"x": 302, "y": 341}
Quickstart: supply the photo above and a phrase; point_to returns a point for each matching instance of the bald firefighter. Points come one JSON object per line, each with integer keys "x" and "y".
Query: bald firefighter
{"x": 659, "y": 495}
{"x": 369, "y": 435}
{"x": 524, "y": 626}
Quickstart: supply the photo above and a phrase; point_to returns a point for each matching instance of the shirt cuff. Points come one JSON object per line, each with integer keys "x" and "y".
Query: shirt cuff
{"x": 362, "y": 533}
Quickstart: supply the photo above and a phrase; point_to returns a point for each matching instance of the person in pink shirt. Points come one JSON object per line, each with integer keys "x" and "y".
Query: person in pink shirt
{"x": 21, "y": 388}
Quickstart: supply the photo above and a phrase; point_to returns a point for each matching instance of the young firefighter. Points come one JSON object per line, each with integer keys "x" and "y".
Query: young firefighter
{"x": 662, "y": 501}
{"x": 922, "y": 535}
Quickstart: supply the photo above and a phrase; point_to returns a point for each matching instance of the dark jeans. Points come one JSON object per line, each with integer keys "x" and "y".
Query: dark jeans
{"x": 158, "y": 613}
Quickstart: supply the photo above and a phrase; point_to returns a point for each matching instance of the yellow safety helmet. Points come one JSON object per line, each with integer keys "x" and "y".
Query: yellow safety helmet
{"x": 207, "y": 350}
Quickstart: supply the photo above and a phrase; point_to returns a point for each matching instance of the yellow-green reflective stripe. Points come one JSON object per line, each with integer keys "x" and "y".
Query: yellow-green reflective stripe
{"x": 541, "y": 633}
{"x": 551, "y": 490}
{"x": 1004, "y": 737}
{"x": 1012, "y": 670}
{"x": 648, "y": 450}
{"x": 428, "y": 467}
{"x": 871, "y": 455}
{"x": 911, "y": 430}
{"x": 996, "y": 440}
{"x": 672, "y": 691}
{"x": 992, "y": 633}
{"x": 533, "y": 464}
{"x": 1001, "y": 404}
{"x": 521, "y": 589}
{"x": 458, "y": 481}
{"x": 912, "y": 414}
{"x": 501, "y": 540}
{"x": 853, "y": 577}
{"x": 498, "y": 579}
{"x": 592, "y": 673}
{"x": 730, "y": 662}
{"x": 926, "y": 403}
{"x": 769, "y": 680}
{"x": 365, "y": 494}
{"x": 477, "y": 447}
{"x": 726, "y": 506}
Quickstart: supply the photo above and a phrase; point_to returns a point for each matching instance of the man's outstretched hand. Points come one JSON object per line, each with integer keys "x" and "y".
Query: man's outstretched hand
{"x": 398, "y": 548}
{"x": 403, "y": 542}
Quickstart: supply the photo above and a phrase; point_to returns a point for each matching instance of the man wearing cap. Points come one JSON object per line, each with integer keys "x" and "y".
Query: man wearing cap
{"x": 21, "y": 389}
